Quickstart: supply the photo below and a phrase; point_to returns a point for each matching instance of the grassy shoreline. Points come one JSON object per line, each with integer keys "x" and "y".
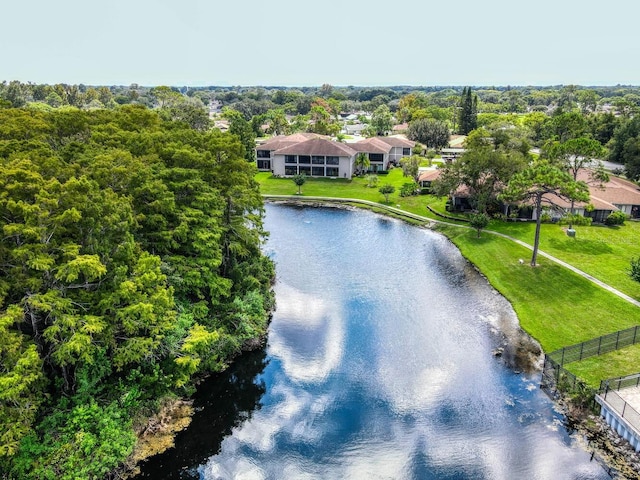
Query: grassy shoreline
{"x": 555, "y": 306}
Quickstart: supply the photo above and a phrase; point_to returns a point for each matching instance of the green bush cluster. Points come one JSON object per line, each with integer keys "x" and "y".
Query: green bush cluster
{"x": 615, "y": 218}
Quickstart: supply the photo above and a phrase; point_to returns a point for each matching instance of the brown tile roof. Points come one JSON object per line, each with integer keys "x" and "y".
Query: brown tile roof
{"x": 429, "y": 175}
{"x": 398, "y": 142}
{"x": 318, "y": 146}
{"x": 618, "y": 192}
{"x": 371, "y": 145}
{"x": 282, "y": 141}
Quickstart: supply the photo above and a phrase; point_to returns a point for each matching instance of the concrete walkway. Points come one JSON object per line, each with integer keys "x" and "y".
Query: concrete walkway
{"x": 427, "y": 220}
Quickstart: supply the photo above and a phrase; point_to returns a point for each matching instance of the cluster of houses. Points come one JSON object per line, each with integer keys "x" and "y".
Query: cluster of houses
{"x": 318, "y": 156}
{"x": 615, "y": 195}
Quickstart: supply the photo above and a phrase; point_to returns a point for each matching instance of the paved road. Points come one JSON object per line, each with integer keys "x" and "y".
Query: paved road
{"x": 427, "y": 220}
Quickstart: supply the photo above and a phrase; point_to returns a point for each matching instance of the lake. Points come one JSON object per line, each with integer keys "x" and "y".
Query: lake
{"x": 380, "y": 364}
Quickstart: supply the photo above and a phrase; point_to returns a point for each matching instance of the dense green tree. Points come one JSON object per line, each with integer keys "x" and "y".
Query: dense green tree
{"x": 577, "y": 154}
{"x": 130, "y": 262}
{"x": 625, "y": 147}
{"x": 382, "y": 120}
{"x": 277, "y": 122}
{"x": 410, "y": 166}
{"x": 479, "y": 221}
{"x": 483, "y": 171}
{"x": 537, "y": 183}
{"x": 432, "y": 133}
{"x": 565, "y": 125}
{"x": 299, "y": 180}
{"x": 468, "y": 116}
{"x": 240, "y": 127}
{"x": 602, "y": 126}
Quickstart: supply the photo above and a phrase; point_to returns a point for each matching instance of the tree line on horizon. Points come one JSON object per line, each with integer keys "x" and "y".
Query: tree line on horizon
{"x": 605, "y": 113}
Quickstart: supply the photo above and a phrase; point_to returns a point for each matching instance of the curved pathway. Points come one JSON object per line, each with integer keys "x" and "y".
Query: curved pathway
{"x": 430, "y": 221}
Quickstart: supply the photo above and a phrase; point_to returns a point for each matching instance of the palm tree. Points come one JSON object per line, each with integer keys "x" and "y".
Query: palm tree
{"x": 362, "y": 162}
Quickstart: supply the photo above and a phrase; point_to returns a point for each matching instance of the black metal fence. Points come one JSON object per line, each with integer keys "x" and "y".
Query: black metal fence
{"x": 555, "y": 376}
{"x": 597, "y": 346}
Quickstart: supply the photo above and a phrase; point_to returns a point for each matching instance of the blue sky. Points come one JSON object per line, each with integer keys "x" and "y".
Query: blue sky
{"x": 346, "y": 42}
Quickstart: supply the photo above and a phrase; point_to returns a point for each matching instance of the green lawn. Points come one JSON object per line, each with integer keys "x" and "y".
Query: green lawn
{"x": 604, "y": 252}
{"x": 610, "y": 365}
{"x": 338, "y": 187}
{"x": 554, "y": 305}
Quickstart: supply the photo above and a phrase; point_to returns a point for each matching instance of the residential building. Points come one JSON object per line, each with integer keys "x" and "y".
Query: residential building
{"x": 318, "y": 156}
{"x": 265, "y": 150}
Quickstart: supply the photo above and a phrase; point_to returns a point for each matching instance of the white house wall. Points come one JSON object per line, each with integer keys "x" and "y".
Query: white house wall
{"x": 395, "y": 155}
{"x": 624, "y": 208}
{"x": 277, "y": 165}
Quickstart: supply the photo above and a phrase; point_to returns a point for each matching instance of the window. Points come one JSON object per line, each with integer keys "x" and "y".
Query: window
{"x": 263, "y": 154}
{"x": 317, "y": 171}
{"x": 264, "y": 164}
{"x": 290, "y": 159}
{"x": 290, "y": 170}
{"x": 406, "y": 152}
{"x": 305, "y": 170}
{"x": 332, "y": 171}
{"x": 317, "y": 160}
{"x": 376, "y": 157}
{"x": 304, "y": 159}
{"x": 333, "y": 160}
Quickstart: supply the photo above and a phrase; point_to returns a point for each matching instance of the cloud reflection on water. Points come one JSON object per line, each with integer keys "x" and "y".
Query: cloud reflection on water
{"x": 392, "y": 381}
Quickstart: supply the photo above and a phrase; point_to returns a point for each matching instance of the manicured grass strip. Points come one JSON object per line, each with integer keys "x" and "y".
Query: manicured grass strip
{"x": 554, "y": 305}
{"x": 620, "y": 363}
{"x": 604, "y": 252}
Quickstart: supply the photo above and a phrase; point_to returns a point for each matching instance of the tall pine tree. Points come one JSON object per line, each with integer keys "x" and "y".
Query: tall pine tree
{"x": 468, "y": 111}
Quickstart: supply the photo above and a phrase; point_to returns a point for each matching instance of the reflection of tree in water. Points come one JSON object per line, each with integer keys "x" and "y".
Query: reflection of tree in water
{"x": 222, "y": 402}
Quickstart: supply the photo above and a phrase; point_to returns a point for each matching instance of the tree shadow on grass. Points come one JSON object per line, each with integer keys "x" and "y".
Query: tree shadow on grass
{"x": 580, "y": 245}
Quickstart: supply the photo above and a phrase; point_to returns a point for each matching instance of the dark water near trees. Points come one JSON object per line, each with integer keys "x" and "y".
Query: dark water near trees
{"x": 379, "y": 365}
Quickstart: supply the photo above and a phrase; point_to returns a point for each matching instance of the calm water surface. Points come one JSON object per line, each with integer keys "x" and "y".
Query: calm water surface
{"x": 379, "y": 365}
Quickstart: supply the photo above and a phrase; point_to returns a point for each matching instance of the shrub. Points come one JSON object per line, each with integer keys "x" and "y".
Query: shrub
{"x": 372, "y": 180}
{"x": 408, "y": 189}
{"x": 479, "y": 221}
{"x": 575, "y": 219}
{"x": 634, "y": 271}
{"x": 615, "y": 218}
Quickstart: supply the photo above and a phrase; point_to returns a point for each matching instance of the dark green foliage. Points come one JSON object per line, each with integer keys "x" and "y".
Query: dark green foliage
{"x": 479, "y": 221}
{"x": 432, "y": 133}
{"x": 634, "y": 269}
{"x": 468, "y": 119}
{"x": 408, "y": 189}
{"x": 575, "y": 219}
{"x": 387, "y": 189}
{"x": 130, "y": 262}
{"x": 625, "y": 147}
{"x": 299, "y": 180}
{"x": 615, "y": 218}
